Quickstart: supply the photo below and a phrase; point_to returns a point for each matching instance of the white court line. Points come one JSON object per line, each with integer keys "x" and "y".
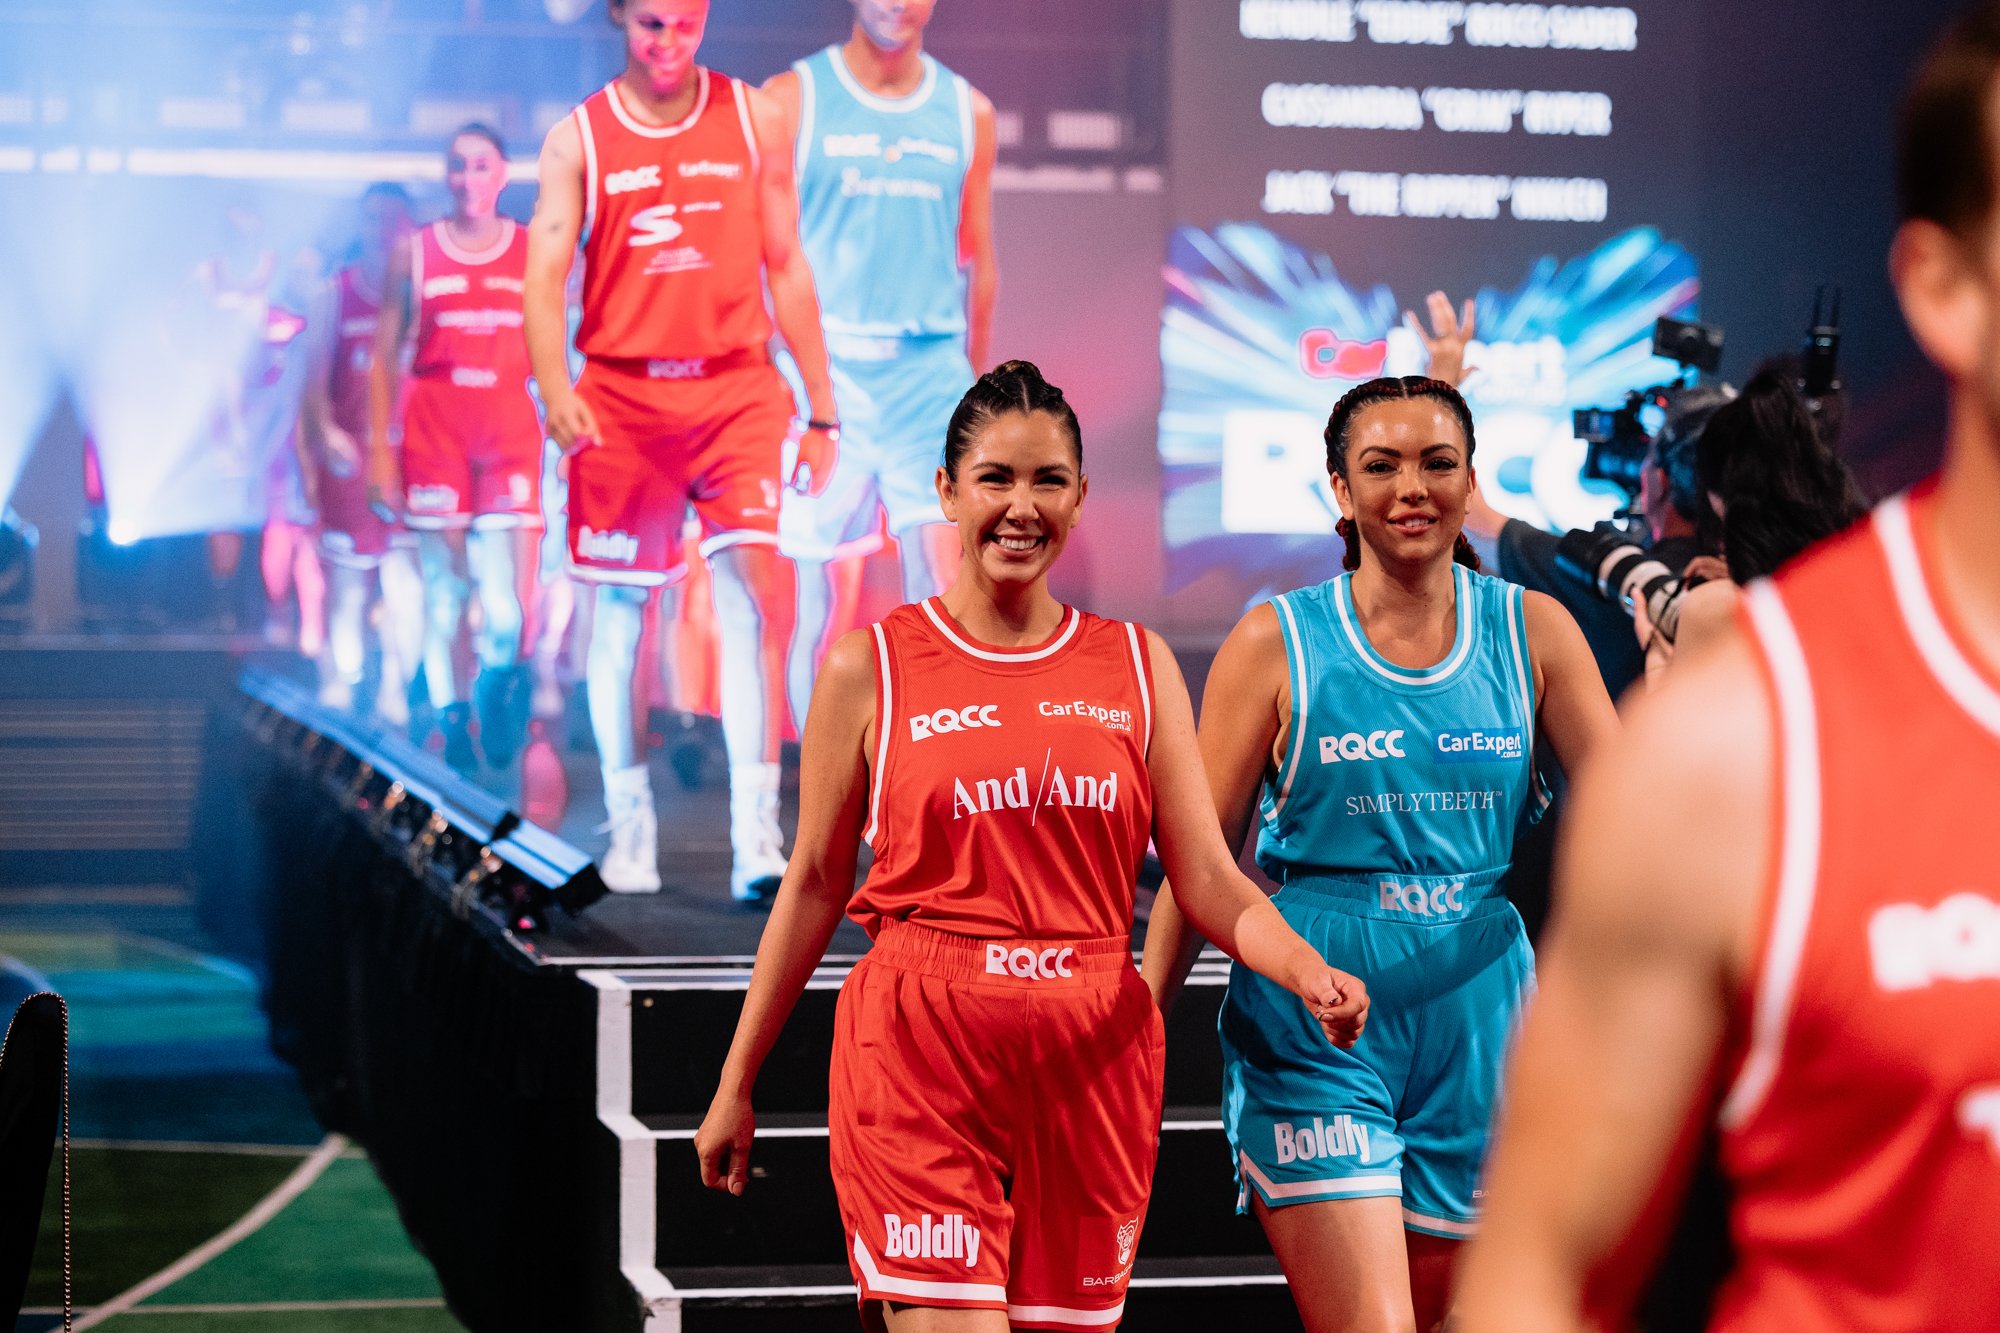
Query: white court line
{"x": 195, "y": 1146}
{"x": 247, "y": 1225}
{"x": 290, "y": 1307}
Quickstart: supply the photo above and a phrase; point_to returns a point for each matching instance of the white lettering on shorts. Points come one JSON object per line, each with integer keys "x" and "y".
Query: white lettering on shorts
{"x": 926, "y": 1237}
{"x": 1028, "y": 964}
{"x": 1414, "y": 898}
{"x": 619, "y": 548}
{"x": 1306, "y": 1143}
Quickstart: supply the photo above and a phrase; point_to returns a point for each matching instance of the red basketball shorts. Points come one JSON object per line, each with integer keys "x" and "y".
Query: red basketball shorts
{"x": 994, "y": 1120}
{"x": 350, "y": 533}
{"x": 672, "y": 435}
{"x": 471, "y": 455}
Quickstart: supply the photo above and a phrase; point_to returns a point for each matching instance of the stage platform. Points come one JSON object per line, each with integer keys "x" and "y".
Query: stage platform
{"x": 529, "y": 1084}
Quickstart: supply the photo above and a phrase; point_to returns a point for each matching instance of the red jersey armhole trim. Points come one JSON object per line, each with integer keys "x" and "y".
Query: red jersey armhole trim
{"x": 1142, "y": 664}
{"x": 878, "y": 777}
{"x": 1729, "y": 1069}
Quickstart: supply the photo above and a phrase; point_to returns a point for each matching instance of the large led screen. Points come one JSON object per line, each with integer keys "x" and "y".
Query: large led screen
{"x": 1335, "y": 161}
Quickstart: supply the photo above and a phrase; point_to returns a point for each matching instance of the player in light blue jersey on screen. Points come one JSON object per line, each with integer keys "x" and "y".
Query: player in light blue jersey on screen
{"x": 1380, "y": 728}
{"x": 895, "y": 168}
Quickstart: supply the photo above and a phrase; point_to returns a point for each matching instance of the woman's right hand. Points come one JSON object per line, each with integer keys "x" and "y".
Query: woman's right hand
{"x": 570, "y": 421}
{"x": 723, "y": 1142}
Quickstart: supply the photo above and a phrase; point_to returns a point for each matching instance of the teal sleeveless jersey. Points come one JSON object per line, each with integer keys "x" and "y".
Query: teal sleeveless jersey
{"x": 881, "y": 184}
{"x": 1408, "y": 786}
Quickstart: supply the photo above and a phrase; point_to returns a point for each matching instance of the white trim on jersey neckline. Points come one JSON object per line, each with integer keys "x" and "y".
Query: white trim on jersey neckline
{"x": 1963, "y": 681}
{"x": 441, "y": 229}
{"x": 634, "y": 124}
{"x": 903, "y": 1286}
{"x": 1798, "y": 853}
{"x": 1461, "y": 649}
{"x": 895, "y": 106}
{"x": 888, "y": 698}
{"x": 1073, "y": 618}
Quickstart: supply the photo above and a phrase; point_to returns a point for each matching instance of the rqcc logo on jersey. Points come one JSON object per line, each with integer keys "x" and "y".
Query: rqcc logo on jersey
{"x": 925, "y": 725}
{"x": 653, "y": 226}
{"x": 638, "y": 178}
{"x": 1912, "y": 946}
{"x": 1356, "y": 746}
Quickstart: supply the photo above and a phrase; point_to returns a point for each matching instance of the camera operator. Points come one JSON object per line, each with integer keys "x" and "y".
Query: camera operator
{"x": 1670, "y": 503}
{"x": 1771, "y": 487}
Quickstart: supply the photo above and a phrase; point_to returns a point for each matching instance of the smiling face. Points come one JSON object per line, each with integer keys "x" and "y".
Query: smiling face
{"x": 661, "y": 38}
{"x": 893, "y": 24}
{"x": 1017, "y": 495}
{"x": 475, "y": 173}
{"x": 1408, "y": 480}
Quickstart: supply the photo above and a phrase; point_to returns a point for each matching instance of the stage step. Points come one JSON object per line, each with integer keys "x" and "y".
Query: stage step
{"x": 683, "y": 1018}
{"x": 662, "y": 1036}
{"x": 788, "y": 1214}
{"x": 1166, "y": 1296}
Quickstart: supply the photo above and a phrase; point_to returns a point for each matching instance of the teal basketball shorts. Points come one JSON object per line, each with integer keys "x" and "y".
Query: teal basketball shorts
{"x": 1405, "y": 1113}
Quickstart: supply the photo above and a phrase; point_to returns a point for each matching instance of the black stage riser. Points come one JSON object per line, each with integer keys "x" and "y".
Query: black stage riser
{"x": 681, "y": 1028}
{"x": 788, "y": 1214}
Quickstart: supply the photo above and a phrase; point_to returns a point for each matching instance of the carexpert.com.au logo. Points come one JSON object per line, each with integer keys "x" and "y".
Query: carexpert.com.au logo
{"x": 1480, "y": 745}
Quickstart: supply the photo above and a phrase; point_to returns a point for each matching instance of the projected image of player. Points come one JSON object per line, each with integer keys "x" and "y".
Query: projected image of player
{"x": 895, "y": 165}
{"x": 1380, "y": 728}
{"x": 369, "y": 572}
{"x": 472, "y": 442}
{"x": 677, "y": 180}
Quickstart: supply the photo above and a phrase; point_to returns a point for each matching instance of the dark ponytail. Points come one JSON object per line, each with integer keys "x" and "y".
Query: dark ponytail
{"x": 1011, "y": 387}
{"x": 1340, "y": 424}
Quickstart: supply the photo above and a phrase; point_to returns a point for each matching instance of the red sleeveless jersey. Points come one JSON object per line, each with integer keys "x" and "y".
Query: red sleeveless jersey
{"x": 673, "y": 248}
{"x": 1010, "y": 796}
{"x": 357, "y": 309}
{"x": 469, "y": 309}
{"x": 1862, "y": 1131}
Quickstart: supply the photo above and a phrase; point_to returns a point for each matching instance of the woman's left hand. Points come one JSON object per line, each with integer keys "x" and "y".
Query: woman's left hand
{"x": 723, "y": 1143}
{"x": 1338, "y": 1001}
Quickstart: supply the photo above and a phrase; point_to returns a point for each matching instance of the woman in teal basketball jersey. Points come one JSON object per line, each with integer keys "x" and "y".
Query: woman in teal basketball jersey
{"x": 1381, "y": 727}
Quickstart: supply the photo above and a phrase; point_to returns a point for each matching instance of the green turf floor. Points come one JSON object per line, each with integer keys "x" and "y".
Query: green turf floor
{"x": 187, "y": 1123}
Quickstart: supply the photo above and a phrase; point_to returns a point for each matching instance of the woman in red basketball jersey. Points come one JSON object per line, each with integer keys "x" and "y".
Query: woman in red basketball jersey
{"x": 470, "y": 486}
{"x": 996, "y": 1066}
{"x": 1775, "y": 914}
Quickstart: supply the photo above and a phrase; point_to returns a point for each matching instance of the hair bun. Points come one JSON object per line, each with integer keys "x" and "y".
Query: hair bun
{"x": 1008, "y": 371}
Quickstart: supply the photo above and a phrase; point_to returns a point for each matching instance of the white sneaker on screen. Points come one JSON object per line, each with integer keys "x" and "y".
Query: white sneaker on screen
{"x": 632, "y": 863}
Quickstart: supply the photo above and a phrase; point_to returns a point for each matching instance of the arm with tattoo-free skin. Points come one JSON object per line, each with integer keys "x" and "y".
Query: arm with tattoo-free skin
{"x": 1649, "y": 943}
{"x": 1209, "y": 889}
{"x": 975, "y": 235}
{"x": 794, "y": 302}
{"x": 553, "y": 233}
{"x": 392, "y": 329}
{"x": 819, "y": 879}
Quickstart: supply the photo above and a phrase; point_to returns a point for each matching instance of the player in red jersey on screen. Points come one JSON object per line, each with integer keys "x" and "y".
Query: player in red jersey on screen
{"x": 1776, "y": 910}
{"x": 997, "y": 1061}
{"x": 472, "y": 442}
{"x": 677, "y": 180}
{"x": 366, "y": 569}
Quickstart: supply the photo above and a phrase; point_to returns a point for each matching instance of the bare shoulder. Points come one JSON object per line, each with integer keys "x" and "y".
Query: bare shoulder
{"x": 849, "y": 667}
{"x": 1708, "y": 612}
{"x": 1667, "y": 838}
{"x": 1255, "y": 646}
{"x": 1546, "y": 616}
{"x": 563, "y": 144}
{"x": 782, "y": 87}
{"x": 982, "y": 107}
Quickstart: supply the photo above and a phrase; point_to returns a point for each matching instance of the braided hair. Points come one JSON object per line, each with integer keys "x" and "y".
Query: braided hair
{"x": 1011, "y": 387}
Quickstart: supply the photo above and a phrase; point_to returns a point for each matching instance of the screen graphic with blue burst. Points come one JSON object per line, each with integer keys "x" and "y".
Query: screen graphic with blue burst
{"x": 1259, "y": 337}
